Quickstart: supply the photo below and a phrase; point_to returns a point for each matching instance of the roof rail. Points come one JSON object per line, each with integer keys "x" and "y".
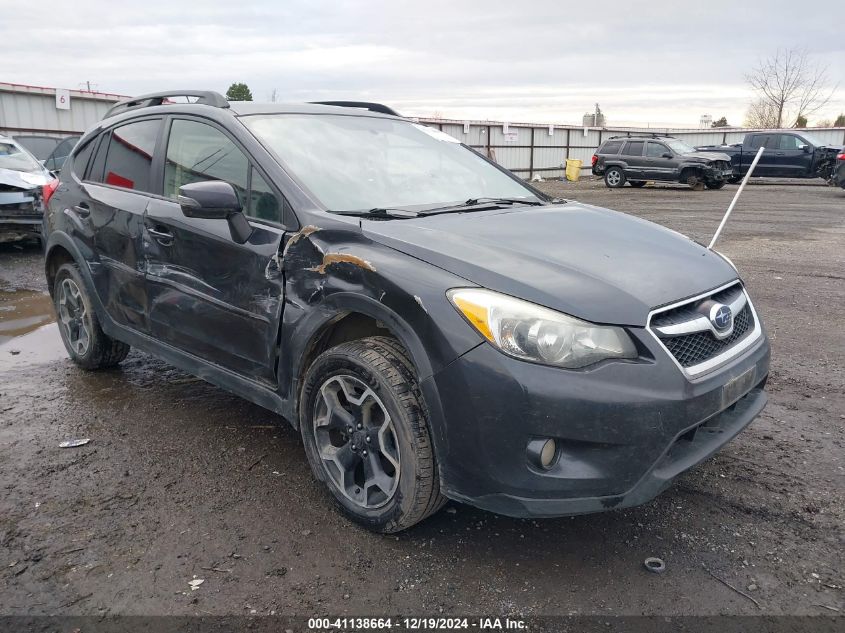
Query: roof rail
{"x": 646, "y": 134}
{"x": 204, "y": 97}
{"x": 365, "y": 105}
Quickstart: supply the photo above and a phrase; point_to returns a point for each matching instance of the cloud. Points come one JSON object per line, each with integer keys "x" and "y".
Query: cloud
{"x": 655, "y": 61}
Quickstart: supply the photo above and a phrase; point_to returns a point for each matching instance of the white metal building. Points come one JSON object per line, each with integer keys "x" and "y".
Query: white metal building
{"x": 55, "y": 112}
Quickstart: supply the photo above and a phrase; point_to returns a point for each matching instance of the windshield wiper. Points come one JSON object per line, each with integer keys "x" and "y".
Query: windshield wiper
{"x": 474, "y": 201}
{"x": 381, "y": 212}
{"x": 479, "y": 204}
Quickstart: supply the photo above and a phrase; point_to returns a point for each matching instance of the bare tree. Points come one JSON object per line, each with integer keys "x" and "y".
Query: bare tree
{"x": 790, "y": 84}
{"x": 761, "y": 114}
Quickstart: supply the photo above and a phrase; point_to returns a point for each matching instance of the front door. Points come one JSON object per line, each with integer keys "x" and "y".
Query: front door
{"x": 658, "y": 167}
{"x": 791, "y": 159}
{"x": 210, "y": 296}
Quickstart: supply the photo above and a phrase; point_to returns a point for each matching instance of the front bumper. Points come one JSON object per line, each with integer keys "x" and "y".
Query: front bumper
{"x": 718, "y": 175}
{"x": 20, "y": 214}
{"x": 624, "y": 430}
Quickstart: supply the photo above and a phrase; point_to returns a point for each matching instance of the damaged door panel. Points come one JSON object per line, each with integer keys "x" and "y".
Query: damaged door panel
{"x": 211, "y": 296}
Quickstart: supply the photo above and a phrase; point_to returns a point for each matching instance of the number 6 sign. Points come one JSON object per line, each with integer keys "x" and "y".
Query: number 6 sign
{"x": 62, "y": 99}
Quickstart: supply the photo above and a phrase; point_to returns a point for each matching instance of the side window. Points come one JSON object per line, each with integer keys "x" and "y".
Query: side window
{"x": 80, "y": 159}
{"x": 197, "y": 152}
{"x": 611, "y": 147}
{"x": 656, "y": 150}
{"x": 101, "y": 145}
{"x": 788, "y": 141}
{"x": 263, "y": 203}
{"x": 128, "y": 155}
{"x": 758, "y": 140}
{"x": 634, "y": 148}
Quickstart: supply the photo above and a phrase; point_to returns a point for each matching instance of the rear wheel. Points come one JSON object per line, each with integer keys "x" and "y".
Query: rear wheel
{"x": 637, "y": 183}
{"x": 715, "y": 184}
{"x": 614, "y": 177}
{"x": 364, "y": 425}
{"x": 86, "y": 343}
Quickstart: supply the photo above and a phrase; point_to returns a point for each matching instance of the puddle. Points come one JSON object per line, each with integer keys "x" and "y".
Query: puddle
{"x": 28, "y": 332}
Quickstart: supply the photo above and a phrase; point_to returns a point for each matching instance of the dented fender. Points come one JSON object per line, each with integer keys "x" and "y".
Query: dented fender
{"x": 336, "y": 271}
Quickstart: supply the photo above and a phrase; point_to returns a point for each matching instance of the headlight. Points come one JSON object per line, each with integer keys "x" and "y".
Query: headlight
{"x": 531, "y": 332}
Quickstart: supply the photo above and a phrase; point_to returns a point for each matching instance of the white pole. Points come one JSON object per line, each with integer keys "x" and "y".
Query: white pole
{"x": 736, "y": 197}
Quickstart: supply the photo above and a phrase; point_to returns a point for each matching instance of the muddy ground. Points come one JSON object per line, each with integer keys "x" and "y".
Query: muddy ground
{"x": 182, "y": 480}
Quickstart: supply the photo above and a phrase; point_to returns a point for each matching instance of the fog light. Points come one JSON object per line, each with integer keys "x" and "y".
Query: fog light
{"x": 548, "y": 454}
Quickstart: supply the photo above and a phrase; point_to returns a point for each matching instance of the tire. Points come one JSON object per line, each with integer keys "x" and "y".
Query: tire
{"x": 637, "y": 183}
{"x": 389, "y": 479}
{"x": 86, "y": 343}
{"x": 695, "y": 181}
{"x": 614, "y": 177}
{"x": 715, "y": 185}
{"x": 734, "y": 179}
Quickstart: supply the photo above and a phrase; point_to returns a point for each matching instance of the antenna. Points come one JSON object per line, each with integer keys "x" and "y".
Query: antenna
{"x": 736, "y": 197}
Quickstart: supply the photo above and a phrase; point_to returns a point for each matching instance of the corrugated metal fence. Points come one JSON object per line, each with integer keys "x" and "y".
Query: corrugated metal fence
{"x": 34, "y": 110}
{"x": 534, "y": 149}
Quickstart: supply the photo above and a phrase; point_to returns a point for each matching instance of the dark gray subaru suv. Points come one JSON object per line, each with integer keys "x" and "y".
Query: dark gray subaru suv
{"x": 433, "y": 326}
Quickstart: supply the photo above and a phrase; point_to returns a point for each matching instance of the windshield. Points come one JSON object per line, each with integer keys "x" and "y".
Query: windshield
{"x": 679, "y": 147}
{"x": 358, "y": 163}
{"x": 15, "y": 158}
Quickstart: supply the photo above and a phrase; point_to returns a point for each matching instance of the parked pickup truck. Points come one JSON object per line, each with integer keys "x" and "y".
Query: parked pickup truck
{"x": 789, "y": 154}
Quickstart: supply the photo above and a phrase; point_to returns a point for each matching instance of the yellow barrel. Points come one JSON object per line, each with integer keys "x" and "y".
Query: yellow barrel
{"x": 573, "y": 169}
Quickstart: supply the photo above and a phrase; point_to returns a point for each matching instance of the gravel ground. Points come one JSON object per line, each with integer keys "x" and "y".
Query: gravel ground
{"x": 184, "y": 481}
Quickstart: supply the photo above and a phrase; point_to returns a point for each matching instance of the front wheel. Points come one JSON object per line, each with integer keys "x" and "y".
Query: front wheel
{"x": 365, "y": 429}
{"x": 716, "y": 185}
{"x": 614, "y": 177}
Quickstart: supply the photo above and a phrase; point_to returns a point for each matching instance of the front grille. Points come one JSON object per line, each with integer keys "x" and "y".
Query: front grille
{"x": 690, "y": 348}
{"x": 693, "y": 349}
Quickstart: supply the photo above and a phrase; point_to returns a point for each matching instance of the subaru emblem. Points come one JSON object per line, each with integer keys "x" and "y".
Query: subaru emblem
{"x": 721, "y": 317}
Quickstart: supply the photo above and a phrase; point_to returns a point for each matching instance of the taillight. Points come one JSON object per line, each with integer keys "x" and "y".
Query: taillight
{"x": 48, "y": 190}
{"x": 595, "y": 159}
{"x": 841, "y": 156}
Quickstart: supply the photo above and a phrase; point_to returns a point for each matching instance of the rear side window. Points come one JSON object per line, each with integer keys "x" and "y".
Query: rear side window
{"x": 634, "y": 148}
{"x": 80, "y": 159}
{"x": 128, "y": 155}
{"x": 611, "y": 147}
{"x": 763, "y": 140}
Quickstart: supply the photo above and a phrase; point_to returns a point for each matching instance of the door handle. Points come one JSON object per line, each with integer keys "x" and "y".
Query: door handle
{"x": 82, "y": 209}
{"x": 779, "y": 153}
{"x": 162, "y": 236}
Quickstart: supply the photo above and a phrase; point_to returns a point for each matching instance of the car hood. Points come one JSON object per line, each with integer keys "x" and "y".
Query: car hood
{"x": 706, "y": 156}
{"x": 592, "y": 263}
{"x": 21, "y": 179}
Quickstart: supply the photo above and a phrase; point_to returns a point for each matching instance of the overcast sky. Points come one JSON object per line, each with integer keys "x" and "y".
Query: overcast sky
{"x": 547, "y": 61}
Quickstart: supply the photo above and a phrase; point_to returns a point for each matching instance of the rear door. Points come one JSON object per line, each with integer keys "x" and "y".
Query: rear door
{"x": 632, "y": 154}
{"x": 210, "y": 296}
{"x": 117, "y": 190}
{"x": 768, "y": 165}
{"x": 658, "y": 167}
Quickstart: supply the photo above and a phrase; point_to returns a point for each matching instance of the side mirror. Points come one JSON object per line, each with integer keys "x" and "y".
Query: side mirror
{"x": 667, "y": 155}
{"x": 806, "y": 149}
{"x": 215, "y": 200}
{"x": 209, "y": 199}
